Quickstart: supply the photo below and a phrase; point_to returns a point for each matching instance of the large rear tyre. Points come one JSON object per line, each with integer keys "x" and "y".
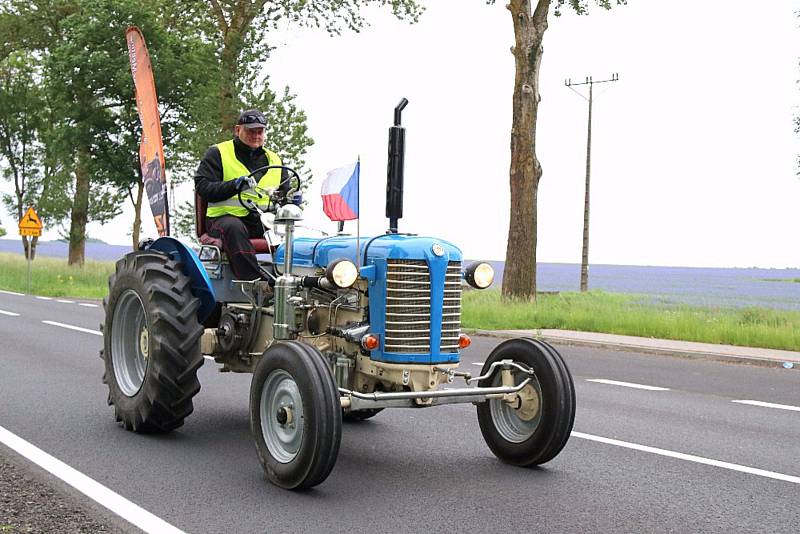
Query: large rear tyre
{"x": 534, "y": 430}
{"x": 151, "y": 343}
{"x": 295, "y": 415}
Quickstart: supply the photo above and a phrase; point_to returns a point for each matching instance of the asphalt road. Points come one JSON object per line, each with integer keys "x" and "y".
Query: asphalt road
{"x": 426, "y": 470}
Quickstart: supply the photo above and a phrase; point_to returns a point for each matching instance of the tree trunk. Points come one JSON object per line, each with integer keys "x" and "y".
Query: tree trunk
{"x": 228, "y": 97}
{"x": 80, "y": 211}
{"x": 519, "y": 277}
{"x": 34, "y": 242}
{"x": 25, "y": 246}
{"x": 137, "y": 217}
{"x": 233, "y": 27}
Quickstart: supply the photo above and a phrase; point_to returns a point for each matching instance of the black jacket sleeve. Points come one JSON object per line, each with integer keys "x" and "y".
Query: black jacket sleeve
{"x": 208, "y": 178}
{"x": 286, "y": 182}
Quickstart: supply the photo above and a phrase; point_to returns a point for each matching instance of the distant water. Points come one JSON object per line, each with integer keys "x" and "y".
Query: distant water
{"x": 698, "y": 286}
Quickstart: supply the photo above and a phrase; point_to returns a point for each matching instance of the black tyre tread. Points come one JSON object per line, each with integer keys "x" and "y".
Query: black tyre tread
{"x": 333, "y": 408}
{"x": 539, "y": 448}
{"x": 325, "y": 403}
{"x": 165, "y": 399}
{"x": 570, "y": 410}
{"x": 558, "y": 439}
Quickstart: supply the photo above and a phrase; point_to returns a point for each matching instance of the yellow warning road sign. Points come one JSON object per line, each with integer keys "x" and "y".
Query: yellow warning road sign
{"x": 30, "y": 224}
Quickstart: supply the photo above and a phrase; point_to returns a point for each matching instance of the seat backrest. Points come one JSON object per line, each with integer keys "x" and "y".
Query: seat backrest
{"x": 200, "y": 206}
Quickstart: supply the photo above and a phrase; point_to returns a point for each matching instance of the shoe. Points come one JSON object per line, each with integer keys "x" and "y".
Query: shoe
{"x": 264, "y": 288}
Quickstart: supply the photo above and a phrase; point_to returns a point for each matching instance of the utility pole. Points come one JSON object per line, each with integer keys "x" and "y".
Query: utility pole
{"x": 585, "y": 251}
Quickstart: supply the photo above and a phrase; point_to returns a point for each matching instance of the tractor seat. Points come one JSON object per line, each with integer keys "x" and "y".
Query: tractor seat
{"x": 200, "y": 206}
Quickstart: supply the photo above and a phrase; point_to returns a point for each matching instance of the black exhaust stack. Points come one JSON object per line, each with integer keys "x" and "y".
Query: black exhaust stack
{"x": 394, "y": 171}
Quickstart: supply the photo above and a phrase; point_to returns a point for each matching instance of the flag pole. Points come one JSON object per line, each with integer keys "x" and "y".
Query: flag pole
{"x": 358, "y": 219}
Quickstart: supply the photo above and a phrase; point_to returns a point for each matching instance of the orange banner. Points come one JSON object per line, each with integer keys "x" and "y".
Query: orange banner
{"x": 151, "y": 150}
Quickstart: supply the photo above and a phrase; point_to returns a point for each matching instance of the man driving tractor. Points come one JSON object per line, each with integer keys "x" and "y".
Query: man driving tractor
{"x": 222, "y": 178}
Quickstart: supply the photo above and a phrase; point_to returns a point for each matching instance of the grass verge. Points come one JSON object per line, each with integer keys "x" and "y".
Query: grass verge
{"x": 595, "y": 311}
{"x": 617, "y": 313}
{"x": 51, "y": 277}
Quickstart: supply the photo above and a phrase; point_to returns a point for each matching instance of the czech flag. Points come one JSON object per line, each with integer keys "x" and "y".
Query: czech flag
{"x": 340, "y": 193}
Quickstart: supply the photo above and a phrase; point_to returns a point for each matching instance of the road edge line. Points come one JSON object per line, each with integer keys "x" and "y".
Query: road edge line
{"x": 76, "y": 328}
{"x": 109, "y": 499}
{"x": 689, "y": 457}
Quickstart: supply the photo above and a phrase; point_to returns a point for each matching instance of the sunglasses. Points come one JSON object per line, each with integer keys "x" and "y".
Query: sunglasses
{"x": 251, "y": 119}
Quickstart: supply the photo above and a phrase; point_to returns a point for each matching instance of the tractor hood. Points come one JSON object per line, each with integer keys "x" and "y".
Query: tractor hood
{"x": 320, "y": 252}
{"x": 423, "y": 272}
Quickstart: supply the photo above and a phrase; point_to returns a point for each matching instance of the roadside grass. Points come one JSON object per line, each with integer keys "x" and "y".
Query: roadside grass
{"x": 635, "y": 315}
{"x": 51, "y": 277}
{"x": 595, "y": 311}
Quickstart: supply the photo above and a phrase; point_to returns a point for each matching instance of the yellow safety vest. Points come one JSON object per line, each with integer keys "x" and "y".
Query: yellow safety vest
{"x": 232, "y": 168}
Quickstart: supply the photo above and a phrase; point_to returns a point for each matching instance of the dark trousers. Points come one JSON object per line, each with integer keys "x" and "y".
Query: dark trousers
{"x": 235, "y": 233}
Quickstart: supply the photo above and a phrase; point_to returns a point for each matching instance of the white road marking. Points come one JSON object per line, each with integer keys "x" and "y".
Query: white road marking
{"x": 11, "y": 293}
{"x": 478, "y": 363}
{"x": 769, "y": 405}
{"x": 66, "y": 301}
{"x": 44, "y": 298}
{"x": 88, "y": 331}
{"x": 626, "y": 384}
{"x": 88, "y": 305}
{"x": 111, "y": 500}
{"x": 690, "y": 458}
{"x": 77, "y": 328}
{"x": 10, "y": 314}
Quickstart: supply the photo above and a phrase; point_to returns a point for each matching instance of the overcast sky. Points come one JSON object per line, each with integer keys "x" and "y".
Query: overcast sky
{"x": 694, "y": 158}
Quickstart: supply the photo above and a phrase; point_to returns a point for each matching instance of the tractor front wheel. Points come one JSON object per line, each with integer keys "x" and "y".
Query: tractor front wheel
{"x": 295, "y": 415}
{"x": 535, "y": 428}
{"x": 151, "y": 343}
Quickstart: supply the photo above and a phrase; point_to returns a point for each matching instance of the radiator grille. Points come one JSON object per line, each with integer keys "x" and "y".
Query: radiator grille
{"x": 408, "y": 307}
{"x": 451, "y": 308}
{"x": 408, "y": 310}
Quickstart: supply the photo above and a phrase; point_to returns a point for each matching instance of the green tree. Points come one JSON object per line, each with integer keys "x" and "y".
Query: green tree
{"x": 242, "y": 26}
{"x": 86, "y": 79}
{"x": 25, "y": 160}
{"x": 529, "y": 19}
{"x": 240, "y": 30}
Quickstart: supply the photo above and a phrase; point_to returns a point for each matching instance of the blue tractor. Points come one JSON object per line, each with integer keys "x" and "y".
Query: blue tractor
{"x": 347, "y": 327}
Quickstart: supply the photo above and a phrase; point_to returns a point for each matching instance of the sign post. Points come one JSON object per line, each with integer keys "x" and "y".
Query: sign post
{"x": 30, "y": 226}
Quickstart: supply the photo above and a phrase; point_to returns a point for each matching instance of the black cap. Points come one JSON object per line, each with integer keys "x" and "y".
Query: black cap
{"x": 252, "y": 118}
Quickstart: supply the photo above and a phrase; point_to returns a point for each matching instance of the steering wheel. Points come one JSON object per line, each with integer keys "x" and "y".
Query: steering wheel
{"x": 275, "y": 195}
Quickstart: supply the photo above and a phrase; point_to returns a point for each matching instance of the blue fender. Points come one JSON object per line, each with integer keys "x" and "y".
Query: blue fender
{"x": 193, "y": 268}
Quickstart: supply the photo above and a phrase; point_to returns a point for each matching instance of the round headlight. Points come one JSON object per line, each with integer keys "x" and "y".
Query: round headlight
{"x": 479, "y": 275}
{"x": 342, "y": 273}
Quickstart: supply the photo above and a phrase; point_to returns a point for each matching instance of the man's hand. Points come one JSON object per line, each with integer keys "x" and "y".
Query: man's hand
{"x": 244, "y": 182}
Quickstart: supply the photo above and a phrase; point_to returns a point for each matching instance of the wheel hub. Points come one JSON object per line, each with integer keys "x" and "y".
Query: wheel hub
{"x": 130, "y": 343}
{"x": 282, "y": 416}
{"x": 516, "y": 419}
{"x": 529, "y": 404}
{"x": 144, "y": 343}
